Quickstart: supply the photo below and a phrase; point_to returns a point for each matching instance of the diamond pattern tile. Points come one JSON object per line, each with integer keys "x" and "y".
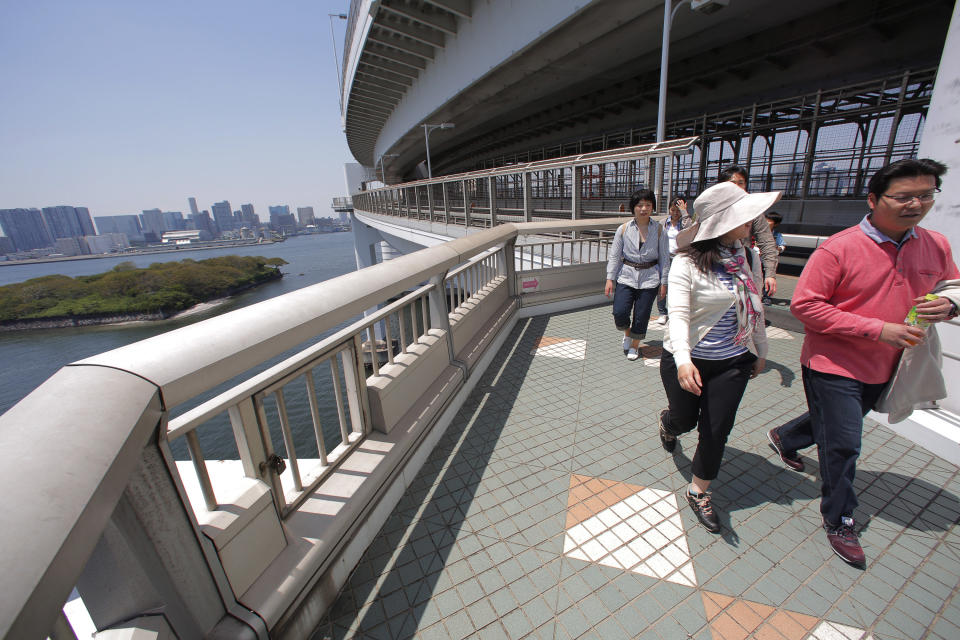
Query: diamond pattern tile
{"x": 548, "y": 509}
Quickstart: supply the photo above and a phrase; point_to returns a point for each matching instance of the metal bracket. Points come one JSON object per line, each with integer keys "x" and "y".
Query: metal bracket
{"x": 274, "y": 462}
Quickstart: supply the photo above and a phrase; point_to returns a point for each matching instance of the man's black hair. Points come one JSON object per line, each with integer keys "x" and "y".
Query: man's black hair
{"x": 642, "y": 194}
{"x": 907, "y": 168}
{"x": 731, "y": 170}
{"x": 773, "y": 215}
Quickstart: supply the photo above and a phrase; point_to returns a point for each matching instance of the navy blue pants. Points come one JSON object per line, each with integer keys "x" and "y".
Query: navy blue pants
{"x": 834, "y": 423}
{"x": 640, "y": 302}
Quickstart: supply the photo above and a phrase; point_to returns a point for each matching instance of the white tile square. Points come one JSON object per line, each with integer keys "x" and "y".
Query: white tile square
{"x": 675, "y": 555}
{"x": 609, "y": 518}
{"x": 639, "y": 524}
{"x": 660, "y": 566}
{"x": 626, "y": 557}
{"x": 610, "y": 561}
{"x": 594, "y": 550}
{"x": 641, "y": 547}
{"x": 579, "y": 534}
{"x": 578, "y": 554}
{"x": 623, "y": 510}
{"x": 594, "y": 525}
{"x": 655, "y": 538}
{"x": 609, "y": 540}
{"x": 624, "y": 532}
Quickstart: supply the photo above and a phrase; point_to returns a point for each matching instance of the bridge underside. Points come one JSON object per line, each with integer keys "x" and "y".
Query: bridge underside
{"x": 598, "y": 72}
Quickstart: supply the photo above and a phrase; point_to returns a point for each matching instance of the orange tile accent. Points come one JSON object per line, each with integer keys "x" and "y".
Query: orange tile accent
{"x": 719, "y": 599}
{"x": 762, "y": 610}
{"x": 577, "y": 514}
{"x": 651, "y": 353}
{"x": 710, "y": 605}
{"x": 744, "y": 615}
{"x": 546, "y": 341}
{"x": 807, "y": 622}
{"x": 589, "y": 496}
{"x": 767, "y": 632}
{"x": 790, "y": 628}
{"x": 727, "y": 628}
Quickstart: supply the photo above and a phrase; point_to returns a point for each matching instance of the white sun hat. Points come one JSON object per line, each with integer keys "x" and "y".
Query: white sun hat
{"x": 722, "y": 208}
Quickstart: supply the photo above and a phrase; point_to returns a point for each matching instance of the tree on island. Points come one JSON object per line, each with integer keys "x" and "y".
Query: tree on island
{"x": 163, "y": 287}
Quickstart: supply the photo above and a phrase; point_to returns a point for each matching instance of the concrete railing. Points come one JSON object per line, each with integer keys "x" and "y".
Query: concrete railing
{"x": 329, "y": 417}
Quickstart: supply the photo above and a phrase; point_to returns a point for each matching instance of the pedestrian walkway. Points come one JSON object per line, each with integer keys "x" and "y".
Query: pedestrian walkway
{"x": 550, "y": 510}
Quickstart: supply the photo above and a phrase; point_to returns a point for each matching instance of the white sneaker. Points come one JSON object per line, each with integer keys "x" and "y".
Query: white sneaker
{"x": 661, "y": 321}
{"x": 627, "y": 341}
{"x": 632, "y": 354}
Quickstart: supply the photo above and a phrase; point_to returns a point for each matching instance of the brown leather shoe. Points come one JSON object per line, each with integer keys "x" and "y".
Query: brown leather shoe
{"x": 843, "y": 540}
{"x": 789, "y": 458}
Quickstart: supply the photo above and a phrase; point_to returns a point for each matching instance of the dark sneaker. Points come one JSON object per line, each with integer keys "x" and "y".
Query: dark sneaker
{"x": 703, "y": 507}
{"x": 789, "y": 458}
{"x": 667, "y": 439}
{"x": 844, "y": 541}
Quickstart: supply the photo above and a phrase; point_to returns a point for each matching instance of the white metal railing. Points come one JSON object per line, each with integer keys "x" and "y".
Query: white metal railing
{"x": 306, "y": 413}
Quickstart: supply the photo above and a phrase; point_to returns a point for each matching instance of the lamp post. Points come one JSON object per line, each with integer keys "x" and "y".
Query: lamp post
{"x": 670, "y": 9}
{"x": 383, "y": 171}
{"x": 427, "y": 129}
{"x": 336, "y": 60}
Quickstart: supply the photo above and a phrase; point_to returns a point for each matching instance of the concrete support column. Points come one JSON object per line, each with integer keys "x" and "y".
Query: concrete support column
{"x": 416, "y": 199}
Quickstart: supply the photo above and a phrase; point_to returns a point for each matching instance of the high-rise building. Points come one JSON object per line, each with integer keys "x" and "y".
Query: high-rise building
{"x": 250, "y": 219}
{"x": 128, "y": 225}
{"x": 86, "y": 222}
{"x": 107, "y": 243}
{"x": 25, "y": 228}
{"x": 173, "y": 221}
{"x": 306, "y": 216}
{"x": 193, "y": 206}
{"x": 152, "y": 222}
{"x": 67, "y": 222}
{"x": 223, "y": 215}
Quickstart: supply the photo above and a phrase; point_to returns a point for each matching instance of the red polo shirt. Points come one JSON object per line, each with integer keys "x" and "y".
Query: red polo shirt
{"x": 851, "y": 285}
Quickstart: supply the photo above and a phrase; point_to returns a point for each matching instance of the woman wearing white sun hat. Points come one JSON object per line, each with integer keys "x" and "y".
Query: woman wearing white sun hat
{"x": 715, "y": 339}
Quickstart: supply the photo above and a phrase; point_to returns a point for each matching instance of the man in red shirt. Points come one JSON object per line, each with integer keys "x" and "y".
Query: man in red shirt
{"x": 852, "y": 297}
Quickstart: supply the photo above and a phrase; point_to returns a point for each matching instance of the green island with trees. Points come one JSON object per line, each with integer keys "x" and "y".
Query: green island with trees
{"x": 130, "y": 293}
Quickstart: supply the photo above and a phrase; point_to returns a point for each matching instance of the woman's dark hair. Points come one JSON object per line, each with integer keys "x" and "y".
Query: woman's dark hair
{"x": 908, "y": 168}
{"x": 642, "y": 194}
{"x": 731, "y": 170}
{"x": 704, "y": 253}
{"x": 773, "y": 215}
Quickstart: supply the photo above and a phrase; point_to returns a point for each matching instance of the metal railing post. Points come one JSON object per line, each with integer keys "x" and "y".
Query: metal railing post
{"x": 466, "y": 205}
{"x": 527, "y": 197}
{"x": 492, "y": 196}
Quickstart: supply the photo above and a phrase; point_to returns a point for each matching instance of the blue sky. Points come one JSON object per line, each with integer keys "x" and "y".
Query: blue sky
{"x": 124, "y": 105}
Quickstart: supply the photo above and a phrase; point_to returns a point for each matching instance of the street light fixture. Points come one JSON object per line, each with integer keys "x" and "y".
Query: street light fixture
{"x": 670, "y": 9}
{"x": 383, "y": 171}
{"x": 427, "y": 129}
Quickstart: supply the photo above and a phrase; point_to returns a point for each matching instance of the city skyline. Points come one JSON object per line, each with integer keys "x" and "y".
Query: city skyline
{"x": 104, "y": 117}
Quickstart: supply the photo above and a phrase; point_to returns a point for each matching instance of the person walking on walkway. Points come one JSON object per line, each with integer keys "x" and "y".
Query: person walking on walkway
{"x": 766, "y": 245}
{"x": 852, "y": 298}
{"x": 715, "y": 339}
{"x": 672, "y": 227}
{"x": 637, "y": 270}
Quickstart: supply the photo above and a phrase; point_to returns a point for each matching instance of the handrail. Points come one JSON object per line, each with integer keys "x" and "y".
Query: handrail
{"x": 88, "y": 425}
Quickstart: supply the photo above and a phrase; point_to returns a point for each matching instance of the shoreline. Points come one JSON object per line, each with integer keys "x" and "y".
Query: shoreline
{"x": 127, "y": 318}
{"x": 145, "y": 252}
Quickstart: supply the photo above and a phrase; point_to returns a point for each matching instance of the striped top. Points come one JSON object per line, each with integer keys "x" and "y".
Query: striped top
{"x": 718, "y": 343}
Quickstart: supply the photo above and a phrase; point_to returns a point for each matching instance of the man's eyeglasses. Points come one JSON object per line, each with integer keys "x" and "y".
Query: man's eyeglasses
{"x": 923, "y": 198}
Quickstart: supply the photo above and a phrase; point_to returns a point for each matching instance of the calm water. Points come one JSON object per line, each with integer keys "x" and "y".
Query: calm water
{"x": 30, "y": 357}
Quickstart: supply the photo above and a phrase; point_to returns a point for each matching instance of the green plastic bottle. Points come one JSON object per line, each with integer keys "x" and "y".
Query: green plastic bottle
{"x": 912, "y": 318}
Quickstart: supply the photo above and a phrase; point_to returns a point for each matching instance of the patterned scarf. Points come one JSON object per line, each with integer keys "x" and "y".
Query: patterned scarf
{"x": 749, "y": 304}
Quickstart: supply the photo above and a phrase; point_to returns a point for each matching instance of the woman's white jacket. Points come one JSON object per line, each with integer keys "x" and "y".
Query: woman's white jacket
{"x": 696, "y": 301}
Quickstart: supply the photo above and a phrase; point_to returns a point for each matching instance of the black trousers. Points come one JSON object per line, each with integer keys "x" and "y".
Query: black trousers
{"x": 712, "y": 412}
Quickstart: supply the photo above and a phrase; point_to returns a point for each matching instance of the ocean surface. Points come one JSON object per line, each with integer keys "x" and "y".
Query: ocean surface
{"x": 27, "y": 358}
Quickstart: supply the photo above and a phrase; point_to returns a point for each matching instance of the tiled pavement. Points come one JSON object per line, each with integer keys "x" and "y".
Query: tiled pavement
{"x": 550, "y": 510}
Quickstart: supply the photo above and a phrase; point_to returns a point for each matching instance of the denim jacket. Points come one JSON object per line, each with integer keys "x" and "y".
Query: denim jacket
{"x": 626, "y": 244}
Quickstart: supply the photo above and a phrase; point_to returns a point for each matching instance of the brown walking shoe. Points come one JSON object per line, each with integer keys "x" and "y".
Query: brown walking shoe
{"x": 703, "y": 507}
{"x": 789, "y": 458}
{"x": 843, "y": 540}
